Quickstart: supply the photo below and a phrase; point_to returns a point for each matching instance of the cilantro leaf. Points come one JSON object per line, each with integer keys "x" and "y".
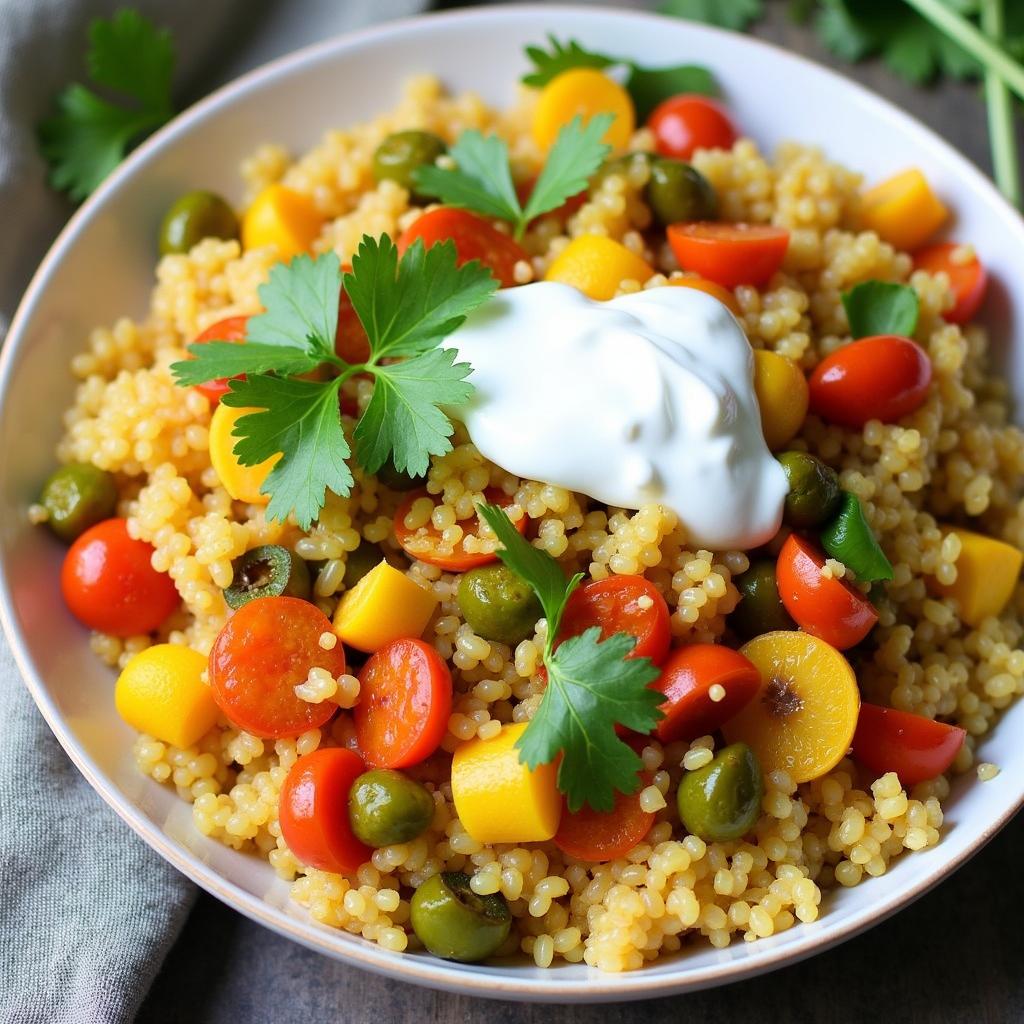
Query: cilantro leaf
{"x": 547, "y": 64}
{"x": 735, "y": 14}
{"x": 881, "y": 307}
{"x": 130, "y": 55}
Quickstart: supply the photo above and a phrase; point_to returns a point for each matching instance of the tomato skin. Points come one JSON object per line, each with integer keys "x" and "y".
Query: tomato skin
{"x": 685, "y": 123}
{"x": 231, "y": 329}
{"x": 969, "y": 281}
{"x": 263, "y": 652}
{"x": 597, "y": 836}
{"x": 914, "y": 747}
{"x": 109, "y": 583}
{"x": 729, "y": 254}
{"x": 474, "y": 237}
{"x": 884, "y": 377}
{"x": 687, "y": 676}
{"x": 350, "y": 340}
{"x": 405, "y": 699}
{"x": 313, "y": 811}
{"x": 827, "y": 608}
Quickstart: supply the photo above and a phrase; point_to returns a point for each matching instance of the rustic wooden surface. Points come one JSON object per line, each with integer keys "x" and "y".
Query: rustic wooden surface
{"x": 952, "y": 957}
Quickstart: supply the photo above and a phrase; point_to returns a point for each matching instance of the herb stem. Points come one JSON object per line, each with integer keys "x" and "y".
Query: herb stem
{"x": 1001, "y": 123}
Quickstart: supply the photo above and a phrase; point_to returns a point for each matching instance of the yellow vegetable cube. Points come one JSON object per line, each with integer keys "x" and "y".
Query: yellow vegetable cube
{"x": 498, "y": 799}
{"x": 284, "y": 218}
{"x": 384, "y": 605}
{"x": 583, "y": 92}
{"x": 161, "y": 692}
{"x": 597, "y": 266}
{"x": 243, "y": 483}
{"x": 782, "y": 395}
{"x": 987, "y": 572}
{"x": 903, "y": 210}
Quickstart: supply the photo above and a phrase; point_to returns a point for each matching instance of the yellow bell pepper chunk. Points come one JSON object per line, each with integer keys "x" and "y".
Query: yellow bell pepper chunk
{"x": 987, "y": 572}
{"x": 284, "y": 218}
{"x": 498, "y": 799}
{"x": 782, "y": 395}
{"x": 384, "y": 605}
{"x": 161, "y": 692}
{"x": 583, "y": 92}
{"x": 243, "y": 483}
{"x": 903, "y": 210}
{"x": 597, "y": 266}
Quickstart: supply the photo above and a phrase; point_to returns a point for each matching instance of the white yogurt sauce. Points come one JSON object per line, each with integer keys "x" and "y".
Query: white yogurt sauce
{"x": 645, "y": 398}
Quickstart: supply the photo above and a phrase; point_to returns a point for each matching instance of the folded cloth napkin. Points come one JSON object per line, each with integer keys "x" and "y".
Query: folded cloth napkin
{"x": 87, "y": 910}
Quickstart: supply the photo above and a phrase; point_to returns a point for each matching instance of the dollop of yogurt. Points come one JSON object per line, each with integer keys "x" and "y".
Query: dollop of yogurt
{"x": 646, "y": 398}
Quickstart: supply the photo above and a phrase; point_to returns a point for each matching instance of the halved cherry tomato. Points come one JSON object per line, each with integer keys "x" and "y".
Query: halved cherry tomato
{"x": 912, "y": 746}
{"x": 313, "y": 811}
{"x": 967, "y": 280}
{"x": 424, "y": 543}
{"x": 263, "y": 652}
{"x": 620, "y": 604}
{"x": 350, "y": 340}
{"x": 729, "y": 254}
{"x": 687, "y": 676}
{"x": 823, "y": 606}
{"x": 688, "y": 122}
{"x": 884, "y": 377}
{"x": 405, "y": 699}
{"x": 597, "y": 836}
{"x": 475, "y": 239}
{"x": 110, "y": 585}
{"x": 231, "y": 329}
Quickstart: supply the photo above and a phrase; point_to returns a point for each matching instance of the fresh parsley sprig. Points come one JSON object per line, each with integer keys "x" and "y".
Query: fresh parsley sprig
{"x": 592, "y": 687}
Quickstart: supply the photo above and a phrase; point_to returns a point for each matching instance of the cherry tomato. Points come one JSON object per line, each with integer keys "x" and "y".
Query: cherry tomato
{"x": 110, "y": 585}
{"x": 885, "y": 378}
{"x": 313, "y": 811}
{"x": 350, "y": 340}
{"x": 474, "y": 237}
{"x": 620, "y": 604}
{"x": 729, "y": 254}
{"x": 968, "y": 280}
{"x": 912, "y": 746}
{"x": 825, "y": 607}
{"x": 596, "y": 836}
{"x": 686, "y": 679}
{"x": 231, "y": 329}
{"x": 424, "y": 543}
{"x": 264, "y": 651}
{"x": 405, "y": 699}
{"x": 688, "y": 122}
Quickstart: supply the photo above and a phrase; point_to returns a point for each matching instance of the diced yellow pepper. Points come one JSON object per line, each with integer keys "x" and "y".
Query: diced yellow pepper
{"x": 987, "y": 572}
{"x": 583, "y": 92}
{"x": 243, "y": 483}
{"x": 597, "y": 266}
{"x": 903, "y": 210}
{"x": 782, "y": 395}
{"x": 161, "y": 692}
{"x": 384, "y": 605}
{"x": 498, "y": 799}
{"x": 284, "y": 218}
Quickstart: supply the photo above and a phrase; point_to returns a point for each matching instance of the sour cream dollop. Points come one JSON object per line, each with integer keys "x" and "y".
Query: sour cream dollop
{"x": 646, "y": 398}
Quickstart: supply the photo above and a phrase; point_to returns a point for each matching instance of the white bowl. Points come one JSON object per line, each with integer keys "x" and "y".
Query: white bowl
{"x": 101, "y": 267}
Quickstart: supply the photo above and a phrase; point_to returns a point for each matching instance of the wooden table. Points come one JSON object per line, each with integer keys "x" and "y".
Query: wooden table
{"x": 952, "y": 957}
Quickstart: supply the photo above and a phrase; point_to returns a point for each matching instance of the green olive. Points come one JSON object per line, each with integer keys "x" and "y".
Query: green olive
{"x": 760, "y": 609}
{"x": 498, "y": 604}
{"x": 359, "y": 562}
{"x": 386, "y": 807}
{"x": 76, "y": 497}
{"x": 193, "y": 217}
{"x": 398, "y": 156}
{"x": 814, "y": 491}
{"x": 722, "y": 800}
{"x": 678, "y": 192}
{"x": 454, "y": 922}
{"x": 629, "y": 165}
{"x": 267, "y": 571}
{"x": 398, "y": 479}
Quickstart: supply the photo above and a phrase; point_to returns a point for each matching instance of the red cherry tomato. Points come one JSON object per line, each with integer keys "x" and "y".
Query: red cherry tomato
{"x": 475, "y": 239}
{"x": 912, "y": 746}
{"x": 110, "y": 585}
{"x": 263, "y": 652}
{"x": 686, "y": 679}
{"x": 597, "y": 836}
{"x": 688, "y": 122}
{"x": 231, "y": 329}
{"x": 350, "y": 340}
{"x": 825, "y": 607}
{"x": 729, "y": 254}
{"x": 968, "y": 280}
{"x": 885, "y": 378}
{"x": 405, "y": 699}
{"x": 313, "y": 811}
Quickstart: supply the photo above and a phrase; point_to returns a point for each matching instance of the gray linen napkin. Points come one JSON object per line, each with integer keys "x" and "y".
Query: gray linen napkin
{"x": 87, "y": 911}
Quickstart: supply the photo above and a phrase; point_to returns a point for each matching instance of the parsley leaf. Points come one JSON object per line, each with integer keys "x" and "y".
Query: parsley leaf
{"x": 735, "y": 14}
{"x": 881, "y": 307}
{"x": 548, "y": 64}
{"x": 215, "y": 359}
{"x": 87, "y": 136}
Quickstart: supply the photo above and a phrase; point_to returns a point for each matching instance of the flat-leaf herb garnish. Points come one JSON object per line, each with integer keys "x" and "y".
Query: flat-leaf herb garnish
{"x": 881, "y": 307}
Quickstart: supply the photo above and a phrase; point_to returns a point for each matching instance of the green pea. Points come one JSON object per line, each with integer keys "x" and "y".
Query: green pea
{"x": 359, "y": 562}
{"x": 760, "y": 609}
{"x": 398, "y": 479}
{"x": 454, "y": 922}
{"x": 193, "y": 217}
{"x": 77, "y": 496}
{"x": 814, "y": 491}
{"x": 678, "y": 192}
{"x": 498, "y": 604}
{"x": 267, "y": 571}
{"x": 849, "y": 539}
{"x": 722, "y": 800}
{"x": 401, "y": 153}
{"x": 386, "y": 807}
